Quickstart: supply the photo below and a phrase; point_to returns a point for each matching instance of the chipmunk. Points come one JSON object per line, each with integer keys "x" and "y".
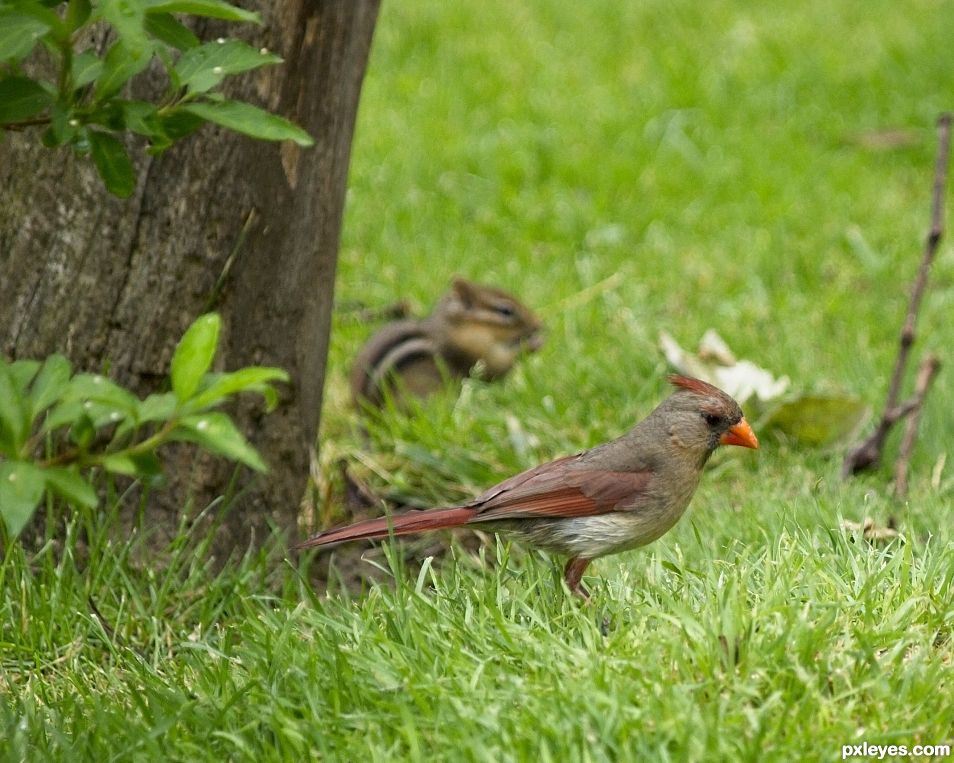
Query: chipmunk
{"x": 471, "y": 326}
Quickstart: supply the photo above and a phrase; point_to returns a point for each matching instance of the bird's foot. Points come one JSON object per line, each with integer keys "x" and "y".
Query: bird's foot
{"x": 573, "y": 575}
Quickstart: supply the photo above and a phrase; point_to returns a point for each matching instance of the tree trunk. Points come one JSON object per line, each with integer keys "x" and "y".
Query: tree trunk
{"x": 219, "y": 221}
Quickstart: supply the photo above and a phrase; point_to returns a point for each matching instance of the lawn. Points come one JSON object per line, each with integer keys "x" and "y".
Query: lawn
{"x": 626, "y": 167}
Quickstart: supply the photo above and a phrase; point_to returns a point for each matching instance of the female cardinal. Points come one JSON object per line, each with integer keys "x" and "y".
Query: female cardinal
{"x": 611, "y": 498}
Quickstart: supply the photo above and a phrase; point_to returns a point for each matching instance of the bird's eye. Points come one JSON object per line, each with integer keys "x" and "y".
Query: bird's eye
{"x": 712, "y": 419}
{"x": 502, "y": 308}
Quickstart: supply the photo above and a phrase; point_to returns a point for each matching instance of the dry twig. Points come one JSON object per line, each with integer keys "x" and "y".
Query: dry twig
{"x": 868, "y": 454}
{"x": 926, "y": 373}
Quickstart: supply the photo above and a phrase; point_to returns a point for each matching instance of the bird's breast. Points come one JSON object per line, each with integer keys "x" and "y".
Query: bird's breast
{"x": 599, "y": 535}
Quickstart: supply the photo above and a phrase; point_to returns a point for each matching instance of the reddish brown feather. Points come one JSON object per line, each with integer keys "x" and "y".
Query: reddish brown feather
{"x": 528, "y": 481}
{"x": 399, "y": 524}
{"x": 565, "y": 502}
{"x": 567, "y": 494}
{"x": 695, "y": 385}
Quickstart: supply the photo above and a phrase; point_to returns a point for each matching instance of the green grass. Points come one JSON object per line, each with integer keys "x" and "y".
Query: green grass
{"x": 626, "y": 168}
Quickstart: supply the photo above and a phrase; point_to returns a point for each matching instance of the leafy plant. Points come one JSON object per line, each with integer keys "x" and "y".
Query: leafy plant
{"x": 82, "y": 105}
{"x": 58, "y": 429}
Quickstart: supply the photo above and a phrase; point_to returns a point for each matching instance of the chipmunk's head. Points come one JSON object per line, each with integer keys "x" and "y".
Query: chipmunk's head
{"x": 488, "y": 326}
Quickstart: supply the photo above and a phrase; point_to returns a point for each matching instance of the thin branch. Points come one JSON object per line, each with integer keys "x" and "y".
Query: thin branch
{"x": 85, "y": 459}
{"x": 25, "y": 123}
{"x": 868, "y": 453}
{"x": 900, "y": 411}
{"x": 926, "y": 373}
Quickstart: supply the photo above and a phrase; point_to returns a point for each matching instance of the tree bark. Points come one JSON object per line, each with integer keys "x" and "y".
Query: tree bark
{"x": 220, "y": 221}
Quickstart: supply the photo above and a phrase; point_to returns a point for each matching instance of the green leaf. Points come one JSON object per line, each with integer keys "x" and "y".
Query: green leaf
{"x": 42, "y": 11}
{"x": 99, "y": 389}
{"x": 178, "y": 124}
{"x": 65, "y": 413}
{"x": 158, "y": 144}
{"x": 60, "y": 131}
{"x": 216, "y": 433}
{"x": 202, "y": 68}
{"x": 221, "y": 386}
{"x": 141, "y": 118}
{"x": 121, "y": 63}
{"x": 158, "y": 407}
{"x": 109, "y": 115}
{"x": 94, "y": 398}
{"x": 22, "y": 98}
{"x": 82, "y": 431}
{"x": 77, "y": 13}
{"x": 23, "y": 372}
{"x": 217, "y": 9}
{"x": 249, "y": 120}
{"x": 817, "y": 419}
{"x": 128, "y": 17}
{"x": 139, "y": 465}
{"x": 19, "y": 34}
{"x": 194, "y": 355}
{"x": 164, "y": 27}
{"x": 49, "y": 384}
{"x": 14, "y": 412}
{"x": 70, "y": 486}
{"x": 113, "y": 164}
{"x": 104, "y": 415}
{"x": 86, "y": 68}
{"x": 21, "y": 489}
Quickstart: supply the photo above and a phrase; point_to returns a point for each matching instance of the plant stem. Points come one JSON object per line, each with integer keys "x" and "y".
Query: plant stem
{"x": 926, "y": 373}
{"x": 76, "y": 456}
{"x": 868, "y": 453}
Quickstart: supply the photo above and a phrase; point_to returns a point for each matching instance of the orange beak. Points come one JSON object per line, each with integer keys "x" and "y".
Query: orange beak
{"x": 740, "y": 434}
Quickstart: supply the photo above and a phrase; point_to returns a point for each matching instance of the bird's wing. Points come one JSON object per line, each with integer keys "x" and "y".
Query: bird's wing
{"x": 553, "y": 490}
{"x": 519, "y": 480}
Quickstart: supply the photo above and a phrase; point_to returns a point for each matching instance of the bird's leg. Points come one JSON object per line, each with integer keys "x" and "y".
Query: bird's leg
{"x": 573, "y": 575}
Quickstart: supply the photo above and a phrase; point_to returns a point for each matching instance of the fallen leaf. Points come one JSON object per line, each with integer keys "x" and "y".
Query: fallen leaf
{"x": 747, "y": 380}
{"x": 716, "y": 364}
{"x": 712, "y": 347}
{"x": 818, "y": 419}
{"x": 684, "y": 362}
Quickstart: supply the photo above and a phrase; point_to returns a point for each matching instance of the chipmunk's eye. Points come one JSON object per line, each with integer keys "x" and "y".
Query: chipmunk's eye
{"x": 504, "y": 309}
{"x": 712, "y": 419}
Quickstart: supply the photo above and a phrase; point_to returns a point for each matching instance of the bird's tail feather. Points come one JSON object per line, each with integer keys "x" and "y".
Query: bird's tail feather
{"x": 400, "y": 524}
